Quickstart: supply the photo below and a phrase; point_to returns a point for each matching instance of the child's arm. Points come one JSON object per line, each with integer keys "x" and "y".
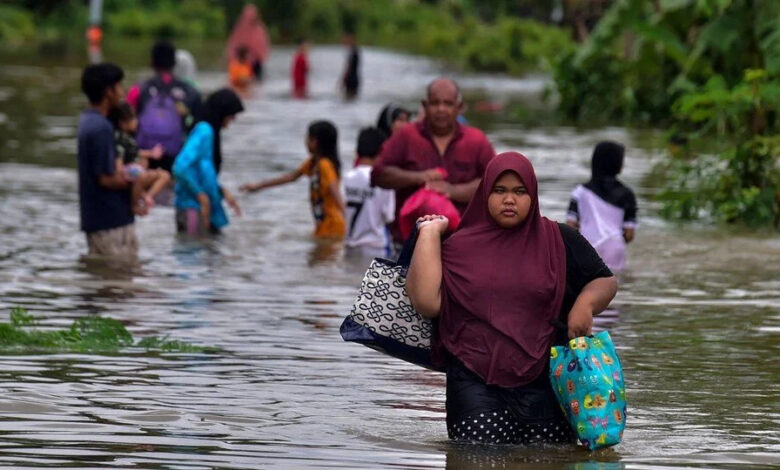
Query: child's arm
{"x": 280, "y": 180}
{"x": 423, "y": 280}
{"x": 154, "y": 153}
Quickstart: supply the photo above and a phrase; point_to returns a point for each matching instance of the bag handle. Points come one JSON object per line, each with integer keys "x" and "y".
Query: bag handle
{"x": 405, "y": 257}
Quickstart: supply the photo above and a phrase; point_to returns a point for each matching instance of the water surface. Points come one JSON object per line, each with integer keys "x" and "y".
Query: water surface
{"x": 697, "y": 318}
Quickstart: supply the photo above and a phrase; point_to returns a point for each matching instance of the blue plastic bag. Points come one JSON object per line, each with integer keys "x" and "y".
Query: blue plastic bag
{"x": 587, "y": 379}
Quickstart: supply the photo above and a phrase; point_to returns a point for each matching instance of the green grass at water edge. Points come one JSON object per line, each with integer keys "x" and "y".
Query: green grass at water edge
{"x": 89, "y": 334}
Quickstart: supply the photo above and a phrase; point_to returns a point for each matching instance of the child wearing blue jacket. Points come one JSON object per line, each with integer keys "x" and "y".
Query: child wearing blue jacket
{"x": 199, "y": 196}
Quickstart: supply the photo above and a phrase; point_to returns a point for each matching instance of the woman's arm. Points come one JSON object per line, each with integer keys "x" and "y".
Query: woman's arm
{"x": 284, "y": 179}
{"x": 593, "y": 299}
{"x": 423, "y": 280}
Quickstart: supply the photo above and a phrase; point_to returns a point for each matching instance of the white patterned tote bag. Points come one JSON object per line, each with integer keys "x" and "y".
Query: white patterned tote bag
{"x": 382, "y": 316}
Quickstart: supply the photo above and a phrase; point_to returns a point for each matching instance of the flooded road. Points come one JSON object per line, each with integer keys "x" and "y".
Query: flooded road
{"x": 696, "y": 321}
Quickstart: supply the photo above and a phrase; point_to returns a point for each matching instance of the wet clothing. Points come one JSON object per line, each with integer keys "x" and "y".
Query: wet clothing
{"x": 327, "y": 214}
{"x": 491, "y": 414}
{"x": 412, "y": 148}
{"x": 101, "y": 208}
{"x": 502, "y": 287}
{"x": 583, "y": 265}
{"x": 352, "y": 74}
{"x": 189, "y": 222}
{"x": 300, "y": 70}
{"x": 240, "y": 74}
{"x": 530, "y": 412}
{"x": 119, "y": 241}
{"x": 369, "y": 210}
{"x": 195, "y": 173}
{"x": 504, "y": 293}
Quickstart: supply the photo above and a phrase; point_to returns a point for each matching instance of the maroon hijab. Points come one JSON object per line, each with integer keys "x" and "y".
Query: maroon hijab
{"x": 502, "y": 287}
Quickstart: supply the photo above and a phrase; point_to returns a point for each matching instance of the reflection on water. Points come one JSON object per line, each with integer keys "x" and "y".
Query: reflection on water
{"x": 696, "y": 319}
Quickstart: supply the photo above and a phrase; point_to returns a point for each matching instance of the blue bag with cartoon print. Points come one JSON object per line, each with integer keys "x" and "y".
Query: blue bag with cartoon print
{"x": 588, "y": 381}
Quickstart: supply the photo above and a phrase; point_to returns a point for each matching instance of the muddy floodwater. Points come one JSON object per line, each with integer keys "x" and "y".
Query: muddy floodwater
{"x": 696, "y": 320}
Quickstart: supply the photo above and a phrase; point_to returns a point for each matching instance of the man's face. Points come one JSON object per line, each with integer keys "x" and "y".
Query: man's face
{"x": 115, "y": 94}
{"x": 442, "y": 107}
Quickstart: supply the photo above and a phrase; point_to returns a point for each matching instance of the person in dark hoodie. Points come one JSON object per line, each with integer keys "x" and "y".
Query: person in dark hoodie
{"x": 199, "y": 196}
{"x": 604, "y": 209}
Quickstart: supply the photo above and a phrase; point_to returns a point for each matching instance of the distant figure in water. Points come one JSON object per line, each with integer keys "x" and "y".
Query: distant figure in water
{"x": 391, "y": 118}
{"x": 199, "y": 195}
{"x": 604, "y": 209}
{"x": 369, "y": 209}
{"x": 324, "y": 169}
{"x": 350, "y": 79}
{"x": 250, "y": 31}
{"x": 240, "y": 70}
{"x": 300, "y": 69}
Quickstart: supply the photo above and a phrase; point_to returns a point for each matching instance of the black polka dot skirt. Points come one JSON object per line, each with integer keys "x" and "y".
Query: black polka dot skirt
{"x": 481, "y": 413}
{"x": 500, "y": 427}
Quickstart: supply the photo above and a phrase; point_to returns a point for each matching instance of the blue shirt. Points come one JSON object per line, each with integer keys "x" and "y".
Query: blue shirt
{"x": 195, "y": 173}
{"x": 101, "y": 208}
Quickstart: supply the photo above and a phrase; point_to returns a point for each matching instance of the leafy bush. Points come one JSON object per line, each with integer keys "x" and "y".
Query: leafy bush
{"x": 197, "y": 19}
{"x": 16, "y": 25}
{"x": 740, "y": 183}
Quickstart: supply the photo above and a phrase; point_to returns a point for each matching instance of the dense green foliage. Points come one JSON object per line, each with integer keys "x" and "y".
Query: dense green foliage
{"x": 89, "y": 334}
{"x": 16, "y": 25}
{"x": 463, "y": 32}
{"x": 447, "y": 31}
{"x": 740, "y": 182}
{"x": 709, "y": 70}
{"x": 195, "y": 19}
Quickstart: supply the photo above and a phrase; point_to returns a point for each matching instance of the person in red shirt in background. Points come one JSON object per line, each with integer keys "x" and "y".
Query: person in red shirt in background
{"x": 300, "y": 69}
{"x": 409, "y": 157}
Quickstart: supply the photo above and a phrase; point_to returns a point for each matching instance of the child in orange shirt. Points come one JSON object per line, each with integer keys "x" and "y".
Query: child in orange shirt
{"x": 240, "y": 69}
{"x": 324, "y": 169}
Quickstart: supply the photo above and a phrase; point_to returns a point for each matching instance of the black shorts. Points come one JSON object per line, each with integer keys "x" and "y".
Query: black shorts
{"x": 478, "y": 412}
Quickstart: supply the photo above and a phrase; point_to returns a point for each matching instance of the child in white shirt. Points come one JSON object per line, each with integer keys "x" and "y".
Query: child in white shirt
{"x": 369, "y": 209}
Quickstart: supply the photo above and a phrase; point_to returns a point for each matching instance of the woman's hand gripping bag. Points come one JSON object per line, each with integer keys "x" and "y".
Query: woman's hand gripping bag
{"x": 587, "y": 379}
{"x": 426, "y": 201}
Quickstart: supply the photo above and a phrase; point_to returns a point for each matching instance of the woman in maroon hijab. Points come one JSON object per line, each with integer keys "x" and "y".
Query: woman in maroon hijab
{"x": 506, "y": 286}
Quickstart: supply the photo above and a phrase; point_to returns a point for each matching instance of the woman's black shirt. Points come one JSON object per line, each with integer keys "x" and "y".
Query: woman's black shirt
{"x": 583, "y": 265}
